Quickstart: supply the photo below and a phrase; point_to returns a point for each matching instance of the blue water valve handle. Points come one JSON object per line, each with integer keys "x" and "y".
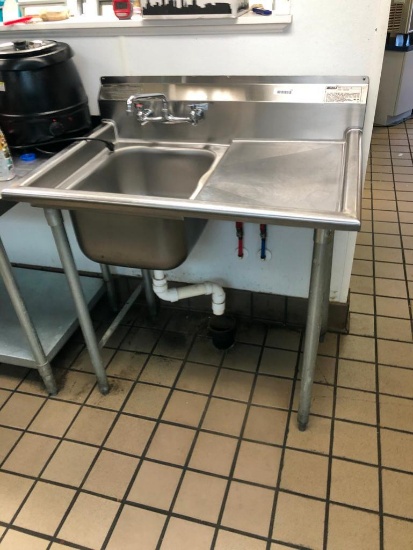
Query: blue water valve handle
{"x": 261, "y": 11}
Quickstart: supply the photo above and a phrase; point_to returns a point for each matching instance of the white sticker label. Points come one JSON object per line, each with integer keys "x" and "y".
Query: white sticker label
{"x": 343, "y": 94}
{"x": 2, "y": 87}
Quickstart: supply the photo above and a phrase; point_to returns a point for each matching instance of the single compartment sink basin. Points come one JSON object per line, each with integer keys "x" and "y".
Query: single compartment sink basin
{"x": 131, "y": 240}
{"x": 156, "y": 171}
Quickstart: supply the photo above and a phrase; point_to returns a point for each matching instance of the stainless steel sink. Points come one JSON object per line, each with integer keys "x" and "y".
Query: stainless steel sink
{"x": 156, "y": 171}
{"x": 138, "y": 241}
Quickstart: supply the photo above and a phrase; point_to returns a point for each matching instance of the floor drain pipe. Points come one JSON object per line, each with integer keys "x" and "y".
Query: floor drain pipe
{"x": 160, "y": 287}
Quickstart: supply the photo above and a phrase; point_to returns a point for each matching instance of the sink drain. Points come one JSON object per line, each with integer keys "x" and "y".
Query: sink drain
{"x": 222, "y": 329}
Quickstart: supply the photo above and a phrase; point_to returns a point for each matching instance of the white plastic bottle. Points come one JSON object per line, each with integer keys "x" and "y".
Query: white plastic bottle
{"x": 6, "y": 161}
{"x": 11, "y": 10}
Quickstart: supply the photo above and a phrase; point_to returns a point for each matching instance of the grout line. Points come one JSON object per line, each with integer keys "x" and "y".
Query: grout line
{"x": 284, "y": 447}
{"x": 331, "y": 447}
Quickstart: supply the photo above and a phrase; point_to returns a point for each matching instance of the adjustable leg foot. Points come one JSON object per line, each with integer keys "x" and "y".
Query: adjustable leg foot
{"x": 49, "y": 381}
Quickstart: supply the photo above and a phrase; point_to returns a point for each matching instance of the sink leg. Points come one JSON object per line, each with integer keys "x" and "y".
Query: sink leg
{"x": 55, "y": 220}
{"x": 43, "y": 365}
{"x": 149, "y": 294}
{"x": 110, "y": 287}
{"x": 317, "y": 305}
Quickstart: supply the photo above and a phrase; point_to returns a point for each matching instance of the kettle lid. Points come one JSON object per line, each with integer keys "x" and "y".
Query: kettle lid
{"x": 21, "y": 48}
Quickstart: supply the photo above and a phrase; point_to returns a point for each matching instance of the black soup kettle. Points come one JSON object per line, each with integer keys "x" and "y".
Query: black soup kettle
{"x": 41, "y": 94}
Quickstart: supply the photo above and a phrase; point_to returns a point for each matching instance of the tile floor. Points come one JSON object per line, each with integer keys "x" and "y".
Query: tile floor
{"x": 196, "y": 449}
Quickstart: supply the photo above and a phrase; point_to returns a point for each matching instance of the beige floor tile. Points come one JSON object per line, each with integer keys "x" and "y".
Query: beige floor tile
{"x": 213, "y": 453}
{"x": 355, "y": 441}
{"x": 357, "y": 375}
{"x": 385, "y": 216}
{"x": 171, "y": 444}
{"x": 8, "y": 438}
{"x": 232, "y": 384}
{"x": 140, "y": 339}
{"x": 185, "y": 408}
{"x": 45, "y": 507}
{"x": 272, "y": 392}
{"x": 357, "y": 348}
{"x": 362, "y": 267}
{"x": 54, "y": 418}
{"x": 364, "y": 238}
{"x": 19, "y": 410}
{"x": 155, "y": 485}
{"x": 399, "y": 354}
{"x": 91, "y": 426}
{"x": 70, "y": 463}
{"x": 397, "y": 493}
{"x": 4, "y": 395}
{"x": 361, "y": 285}
{"x": 130, "y": 434}
{"x": 197, "y": 378}
{"x": 160, "y": 370}
{"x": 278, "y": 362}
{"x": 353, "y": 529}
{"x": 30, "y": 454}
{"x": 84, "y": 364}
{"x": 361, "y": 325}
{"x": 299, "y": 521}
{"x": 89, "y": 510}
{"x": 13, "y": 490}
{"x": 16, "y": 540}
{"x": 258, "y": 463}
{"x": 398, "y": 534}
{"x": 118, "y": 392}
{"x": 315, "y": 438}
{"x": 111, "y": 474}
{"x": 355, "y": 405}
{"x": 394, "y": 329}
{"x": 391, "y": 289}
{"x": 203, "y": 351}
{"x": 266, "y": 425}
{"x": 364, "y": 252}
{"x": 127, "y": 364}
{"x": 200, "y": 496}
{"x": 325, "y": 369}
{"x": 361, "y": 303}
{"x": 329, "y": 345}
{"x": 392, "y": 307}
{"x": 11, "y": 376}
{"x": 396, "y": 381}
{"x": 76, "y": 386}
{"x": 390, "y": 241}
{"x": 396, "y": 450}
{"x": 224, "y": 416}
{"x": 383, "y": 254}
{"x": 173, "y": 344}
{"x": 355, "y": 484}
{"x": 242, "y": 357}
{"x": 322, "y": 398}
{"x": 305, "y": 473}
{"x": 147, "y": 400}
{"x": 396, "y": 413}
{"x": 248, "y": 508}
{"x": 187, "y": 535}
{"x": 232, "y": 541}
{"x": 389, "y": 270}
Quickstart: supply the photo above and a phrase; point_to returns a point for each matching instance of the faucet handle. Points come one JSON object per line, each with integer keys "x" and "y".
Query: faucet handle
{"x": 196, "y": 114}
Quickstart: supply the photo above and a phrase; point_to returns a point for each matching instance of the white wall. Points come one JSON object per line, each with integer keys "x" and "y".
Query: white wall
{"x": 327, "y": 37}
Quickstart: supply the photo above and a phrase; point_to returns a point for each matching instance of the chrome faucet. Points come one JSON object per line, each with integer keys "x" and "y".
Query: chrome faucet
{"x": 145, "y": 115}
